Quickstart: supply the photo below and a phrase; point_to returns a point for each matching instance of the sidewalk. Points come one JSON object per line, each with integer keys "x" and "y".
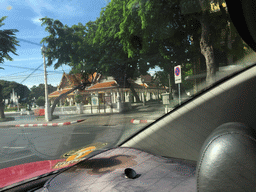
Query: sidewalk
{"x": 32, "y": 120}
{"x": 151, "y": 111}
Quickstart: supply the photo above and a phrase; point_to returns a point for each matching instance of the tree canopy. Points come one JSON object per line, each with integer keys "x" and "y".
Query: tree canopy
{"x": 37, "y": 91}
{"x": 8, "y": 43}
{"x": 21, "y": 90}
{"x": 132, "y": 36}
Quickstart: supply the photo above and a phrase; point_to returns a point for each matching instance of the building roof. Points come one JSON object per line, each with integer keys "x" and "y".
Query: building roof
{"x": 104, "y": 85}
{"x": 69, "y": 81}
{"x": 147, "y": 78}
{"x": 58, "y": 93}
{"x": 76, "y": 79}
{"x": 144, "y": 85}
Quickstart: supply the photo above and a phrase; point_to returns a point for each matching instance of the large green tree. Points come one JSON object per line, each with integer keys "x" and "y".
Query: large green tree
{"x": 37, "y": 91}
{"x": 171, "y": 23}
{"x": 64, "y": 46}
{"x": 8, "y": 43}
{"x": 116, "y": 61}
{"x": 21, "y": 90}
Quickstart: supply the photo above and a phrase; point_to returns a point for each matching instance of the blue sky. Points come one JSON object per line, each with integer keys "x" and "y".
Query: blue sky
{"x": 24, "y": 15}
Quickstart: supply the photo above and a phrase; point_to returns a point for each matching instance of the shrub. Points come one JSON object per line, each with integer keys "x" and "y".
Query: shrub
{"x": 40, "y": 101}
{"x": 78, "y": 98}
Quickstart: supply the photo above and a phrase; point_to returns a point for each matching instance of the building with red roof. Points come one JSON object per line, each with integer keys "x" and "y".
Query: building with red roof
{"x": 104, "y": 87}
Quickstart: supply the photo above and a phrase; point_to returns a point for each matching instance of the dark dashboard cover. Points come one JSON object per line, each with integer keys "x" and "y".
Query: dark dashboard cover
{"x": 105, "y": 172}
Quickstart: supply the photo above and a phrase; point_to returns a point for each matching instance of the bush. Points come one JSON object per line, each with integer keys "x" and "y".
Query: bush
{"x": 40, "y": 101}
{"x": 11, "y": 109}
{"x": 78, "y": 98}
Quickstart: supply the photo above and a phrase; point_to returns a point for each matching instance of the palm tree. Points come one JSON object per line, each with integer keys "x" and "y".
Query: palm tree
{"x": 8, "y": 43}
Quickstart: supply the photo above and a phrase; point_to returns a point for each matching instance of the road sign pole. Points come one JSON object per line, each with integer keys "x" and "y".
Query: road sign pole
{"x": 177, "y": 78}
{"x": 179, "y": 92}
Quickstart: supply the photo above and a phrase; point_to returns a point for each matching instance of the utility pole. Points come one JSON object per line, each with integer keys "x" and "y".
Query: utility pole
{"x": 46, "y": 110}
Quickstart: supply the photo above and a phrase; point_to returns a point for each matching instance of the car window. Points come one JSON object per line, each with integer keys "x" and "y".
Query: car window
{"x": 111, "y": 68}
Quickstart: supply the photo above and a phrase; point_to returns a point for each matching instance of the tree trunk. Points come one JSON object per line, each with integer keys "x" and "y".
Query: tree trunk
{"x": 134, "y": 93}
{"x": 2, "y": 110}
{"x": 206, "y": 46}
{"x": 62, "y": 95}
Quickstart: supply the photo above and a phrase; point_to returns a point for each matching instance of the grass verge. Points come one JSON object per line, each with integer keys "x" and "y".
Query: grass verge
{"x": 7, "y": 119}
{"x": 43, "y": 117}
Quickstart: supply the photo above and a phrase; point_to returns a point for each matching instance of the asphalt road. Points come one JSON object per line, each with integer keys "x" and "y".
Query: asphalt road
{"x": 19, "y": 145}
{"x": 24, "y": 145}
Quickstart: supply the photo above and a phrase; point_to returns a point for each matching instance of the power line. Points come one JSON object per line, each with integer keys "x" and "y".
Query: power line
{"x": 22, "y": 76}
{"x": 31, "y": 68}
{"x": 29, "y": 42}
{"x": 31, "y": 73}
{"x": 9, "y": 75}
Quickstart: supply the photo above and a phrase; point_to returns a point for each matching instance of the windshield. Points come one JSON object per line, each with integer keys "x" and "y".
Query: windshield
{"x": 111, "y": 68}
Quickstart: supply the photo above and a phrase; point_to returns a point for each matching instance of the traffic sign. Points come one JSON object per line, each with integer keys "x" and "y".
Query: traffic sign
{"x": 177, "y": 74}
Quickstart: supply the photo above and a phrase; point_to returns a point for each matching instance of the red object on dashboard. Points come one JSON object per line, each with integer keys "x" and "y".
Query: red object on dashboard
{"x": 18, "y": 173}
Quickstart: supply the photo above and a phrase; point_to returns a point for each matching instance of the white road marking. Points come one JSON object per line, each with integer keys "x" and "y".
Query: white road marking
{"x": 23, "y": 133}
{"x": 6, "y": 147}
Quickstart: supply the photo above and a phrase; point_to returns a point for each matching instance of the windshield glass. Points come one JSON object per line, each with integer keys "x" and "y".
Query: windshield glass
{"x": 111, "y": 68}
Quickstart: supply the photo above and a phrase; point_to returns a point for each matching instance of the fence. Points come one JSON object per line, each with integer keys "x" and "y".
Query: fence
{"x": 86, "y": 109}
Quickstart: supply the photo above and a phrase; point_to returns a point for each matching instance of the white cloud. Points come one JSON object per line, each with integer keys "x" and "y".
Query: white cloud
{"x": 69, "y": 10}
{"x": 58, "y": 9}
{"x": 36, "y": 20}
{"x": 37, "y": 6}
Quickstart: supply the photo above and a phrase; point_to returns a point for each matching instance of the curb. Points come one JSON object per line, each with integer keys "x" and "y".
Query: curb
{"x": 135, "y": 121}
{"x": 48, "y": 124}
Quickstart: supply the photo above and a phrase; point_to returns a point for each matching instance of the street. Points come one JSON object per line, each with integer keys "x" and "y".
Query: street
{"x": 21, "y": 145}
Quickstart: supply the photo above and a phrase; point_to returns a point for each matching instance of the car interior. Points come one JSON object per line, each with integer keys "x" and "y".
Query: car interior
{"x": 206, "y": 144}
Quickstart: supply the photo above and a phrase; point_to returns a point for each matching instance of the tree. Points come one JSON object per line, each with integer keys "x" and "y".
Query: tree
{"x": 21, "y": 90}
{"x": 37, "y": 91}
{"x": 173, "y": 22}
{"x": 74, "y": 46}
{"x": 40, "y": 101}
{"x": 115, "y": 61}
{"x": 8, "y": 43}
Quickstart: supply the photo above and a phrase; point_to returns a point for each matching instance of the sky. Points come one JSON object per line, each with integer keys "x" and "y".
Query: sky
{"x": 24, "y": 15}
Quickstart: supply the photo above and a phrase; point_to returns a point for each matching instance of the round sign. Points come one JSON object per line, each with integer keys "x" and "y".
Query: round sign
{"x": 177, "y": 71}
